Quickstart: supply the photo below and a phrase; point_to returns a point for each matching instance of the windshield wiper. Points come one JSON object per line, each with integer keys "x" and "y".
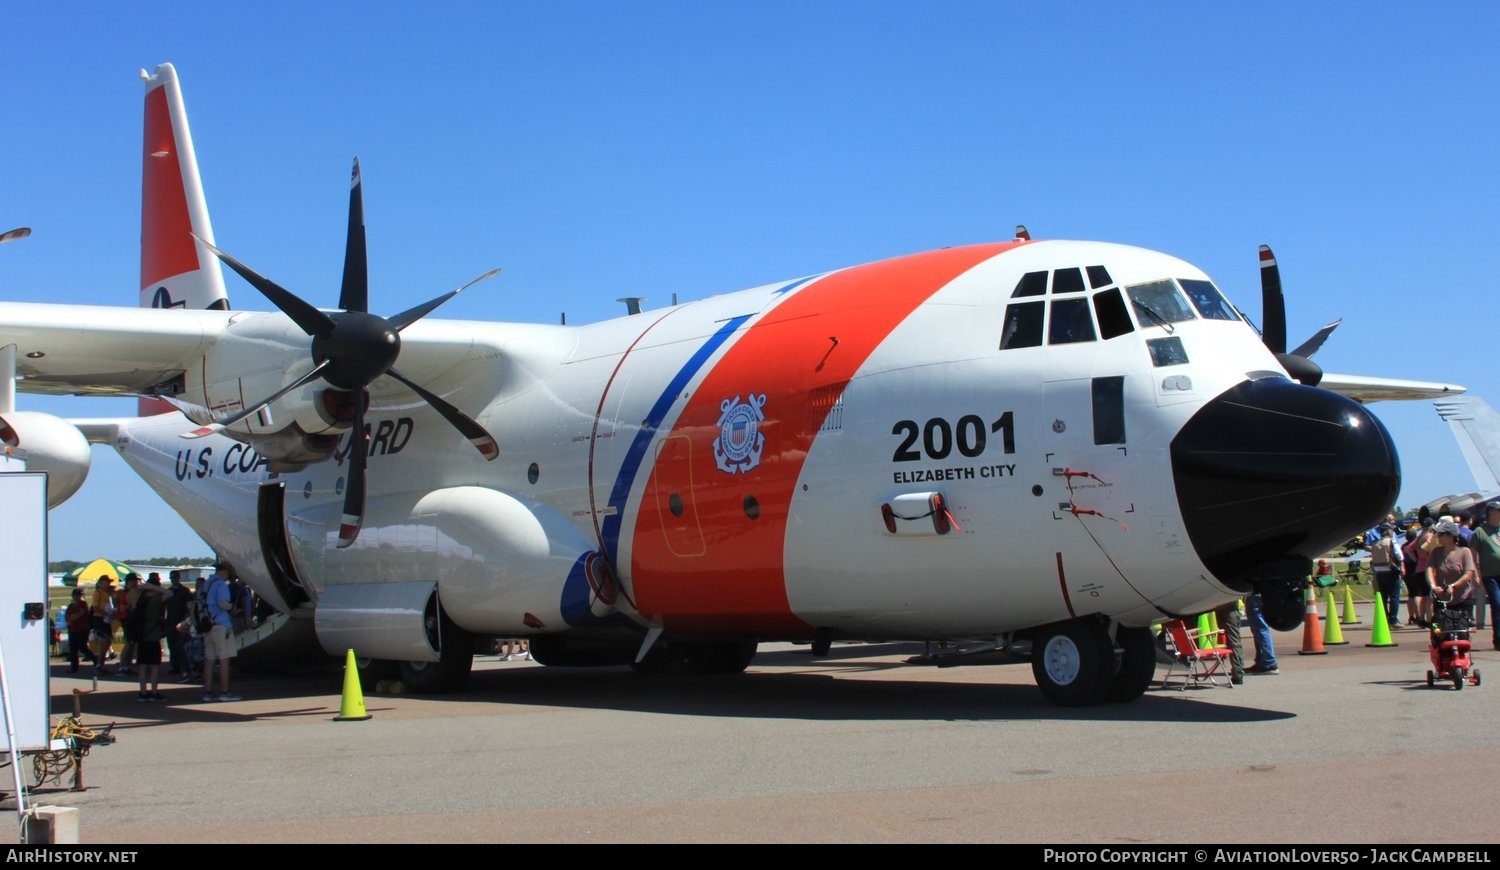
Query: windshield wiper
{"x": 1162, "y": 321}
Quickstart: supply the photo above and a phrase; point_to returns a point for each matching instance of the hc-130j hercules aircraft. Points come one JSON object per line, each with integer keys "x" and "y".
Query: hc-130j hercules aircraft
{"x": 1031, "y": 443}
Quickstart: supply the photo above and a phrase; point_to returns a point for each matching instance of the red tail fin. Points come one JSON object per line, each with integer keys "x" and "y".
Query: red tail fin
{"x": 176, "y": 271}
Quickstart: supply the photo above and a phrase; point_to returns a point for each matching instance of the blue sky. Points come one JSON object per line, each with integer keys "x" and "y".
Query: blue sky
{"x": 597, "y": 150}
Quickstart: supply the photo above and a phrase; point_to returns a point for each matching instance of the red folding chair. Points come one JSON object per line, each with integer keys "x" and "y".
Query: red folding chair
{"x": 1200, "y": 663}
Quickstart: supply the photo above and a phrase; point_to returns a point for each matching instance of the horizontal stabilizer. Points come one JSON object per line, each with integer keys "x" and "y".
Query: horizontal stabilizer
{"x": 1476, "y": 427}
{"x": 1367, "y": 389}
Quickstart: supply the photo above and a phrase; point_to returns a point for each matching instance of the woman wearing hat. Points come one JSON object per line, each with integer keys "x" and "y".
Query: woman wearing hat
{"x": 101, "y": 611}
{"x": 1486, "y": 544}
{"x": 1451, "y": 570}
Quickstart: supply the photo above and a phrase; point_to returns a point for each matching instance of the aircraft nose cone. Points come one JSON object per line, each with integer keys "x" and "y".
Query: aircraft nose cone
{"x": 1273, "y": 473}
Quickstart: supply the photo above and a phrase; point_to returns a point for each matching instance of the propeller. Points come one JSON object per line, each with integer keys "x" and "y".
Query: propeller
{"x": 1299, "y": 362}
{"x": 350, "y": 349}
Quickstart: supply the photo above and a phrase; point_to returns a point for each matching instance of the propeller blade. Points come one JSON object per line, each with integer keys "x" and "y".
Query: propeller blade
{"x": 1310, "y": 347}
{"x": 354, "y": 481}
{"x": 355, "y": 295}
{"x": 311, "y": 320}
{"x": 12, "y": 235}
{"x": 1273, "y": 304}
{"x": 412, "y": 315}
{"x": 466, "y": 425}
{"x": 221, "y": 425}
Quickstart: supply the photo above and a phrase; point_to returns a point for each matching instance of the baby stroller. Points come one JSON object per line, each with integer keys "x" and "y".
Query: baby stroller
{"x": 1449, "y": 645}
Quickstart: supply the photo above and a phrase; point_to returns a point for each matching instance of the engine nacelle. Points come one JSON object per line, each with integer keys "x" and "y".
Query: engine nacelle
{"x": 49, "y": 444}
{"x": 510, "y": 565}
{"x": 255, "y": 356}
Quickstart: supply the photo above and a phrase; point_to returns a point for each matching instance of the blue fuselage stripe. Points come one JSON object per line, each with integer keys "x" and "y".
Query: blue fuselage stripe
{"x": 631, "y": 467}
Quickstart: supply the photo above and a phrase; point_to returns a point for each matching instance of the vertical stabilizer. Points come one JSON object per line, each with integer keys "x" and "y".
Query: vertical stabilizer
{"x": 177, "y": 271}
{"x": 1476, "y": 427}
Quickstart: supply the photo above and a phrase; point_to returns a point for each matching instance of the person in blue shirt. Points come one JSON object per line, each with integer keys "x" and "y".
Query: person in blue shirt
{"x": 218, "y": 644}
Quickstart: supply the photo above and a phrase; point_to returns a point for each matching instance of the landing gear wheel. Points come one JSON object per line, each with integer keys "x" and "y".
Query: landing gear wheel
{"x": 1431, "y": 679}
{"x": 451, "y": 671}
{"x": 1073, "y": 662}
{"x": 1137, "y": 665}
{"x": 373, "y": 671}
{"x": 726, "y": 657}
{"x": 1458, "y": 679}
{"x": 706, "y": 657}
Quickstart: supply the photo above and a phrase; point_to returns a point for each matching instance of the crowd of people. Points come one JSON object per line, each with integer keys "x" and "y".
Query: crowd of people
{"x": 1450, "y": 561}
{"x": 197, "y": 627}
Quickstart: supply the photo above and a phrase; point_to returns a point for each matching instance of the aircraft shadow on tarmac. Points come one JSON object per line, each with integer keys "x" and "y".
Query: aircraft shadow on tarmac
{"x": 787, "y": 684}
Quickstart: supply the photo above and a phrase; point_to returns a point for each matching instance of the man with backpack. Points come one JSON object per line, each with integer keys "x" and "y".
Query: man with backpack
{"x": 1385, "y": 571}
{"x": 218, "y": 643}
{"x": 145, "y": 622}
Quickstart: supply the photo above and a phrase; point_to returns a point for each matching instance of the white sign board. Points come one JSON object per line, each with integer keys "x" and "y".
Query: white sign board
{"x": 25, "y": 643}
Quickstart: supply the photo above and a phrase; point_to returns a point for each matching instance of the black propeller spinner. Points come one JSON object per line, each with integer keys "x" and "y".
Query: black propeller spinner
{"x": 1299, "y": 362}
{"x": 350, "y": 349}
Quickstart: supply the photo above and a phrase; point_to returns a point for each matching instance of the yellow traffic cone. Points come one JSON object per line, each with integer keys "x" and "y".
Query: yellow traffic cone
{"x": 352, "y": 707}
{"x": 1206, "y": 635}
{"x": 1349, "y": 617}
{"x": 1333, "y": 633}
{"x": 1380, "y": 635}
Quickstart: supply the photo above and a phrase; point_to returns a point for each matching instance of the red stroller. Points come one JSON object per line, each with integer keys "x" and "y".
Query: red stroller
{"x": 1450, "y": 646}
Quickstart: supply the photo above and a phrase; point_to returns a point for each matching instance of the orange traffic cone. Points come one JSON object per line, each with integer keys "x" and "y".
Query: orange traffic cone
{"x": 1312, "y": 635}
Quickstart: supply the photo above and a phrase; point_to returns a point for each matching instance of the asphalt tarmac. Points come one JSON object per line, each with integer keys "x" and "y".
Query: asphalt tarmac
{"x": 864, "y": 746}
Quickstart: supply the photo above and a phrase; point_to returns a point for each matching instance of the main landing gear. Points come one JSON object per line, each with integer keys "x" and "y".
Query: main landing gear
{"x": 1077, "y": 664}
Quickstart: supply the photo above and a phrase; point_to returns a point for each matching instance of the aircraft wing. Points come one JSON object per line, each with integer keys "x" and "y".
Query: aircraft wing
{"x": 104, "y": 350}
{"x": 1366, "y": 389}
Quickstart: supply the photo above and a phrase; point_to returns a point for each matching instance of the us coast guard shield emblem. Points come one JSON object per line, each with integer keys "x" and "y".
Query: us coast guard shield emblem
{"x": 737, "y": 449}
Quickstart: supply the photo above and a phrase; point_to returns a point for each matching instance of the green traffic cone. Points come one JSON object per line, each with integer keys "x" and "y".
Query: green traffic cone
{"x": 1381, "y": 634}
{"x": 352, "y": 705}
{"x": 1333, "y": 633}
{"x": 1205, "y": 631}
{"x": 1349, "y": 617}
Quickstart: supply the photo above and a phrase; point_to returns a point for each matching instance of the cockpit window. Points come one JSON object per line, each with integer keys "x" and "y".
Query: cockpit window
{"x": 1157, "y": 303}
{"x": 1031, "y": 284}
{"x": 1207, "y": 299}
{"x": 1109, "y": 307}
{"x": 1167, "y": 351}
{"x": 1070, "y": 321}
{"x": 1023, "y": 324}
{"x": 1067, "y": 281}
{"x": 1099, "y": 277}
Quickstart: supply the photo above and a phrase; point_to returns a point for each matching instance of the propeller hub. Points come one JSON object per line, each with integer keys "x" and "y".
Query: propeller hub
{"x": 359, "y": 348}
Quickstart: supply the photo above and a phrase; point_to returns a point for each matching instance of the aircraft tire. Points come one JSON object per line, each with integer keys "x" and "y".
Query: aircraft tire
{"x": 707, "y": 657}
{"x": 1137, "y": 665}
{"x": 373, "y": 671}
{"x": 726, "y": 657}
{"x": 1073, "y": 662}
{"x": 450, "y": 672}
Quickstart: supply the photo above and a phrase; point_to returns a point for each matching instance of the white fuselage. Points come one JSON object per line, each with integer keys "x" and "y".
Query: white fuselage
{"x": 733, "y": 459}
